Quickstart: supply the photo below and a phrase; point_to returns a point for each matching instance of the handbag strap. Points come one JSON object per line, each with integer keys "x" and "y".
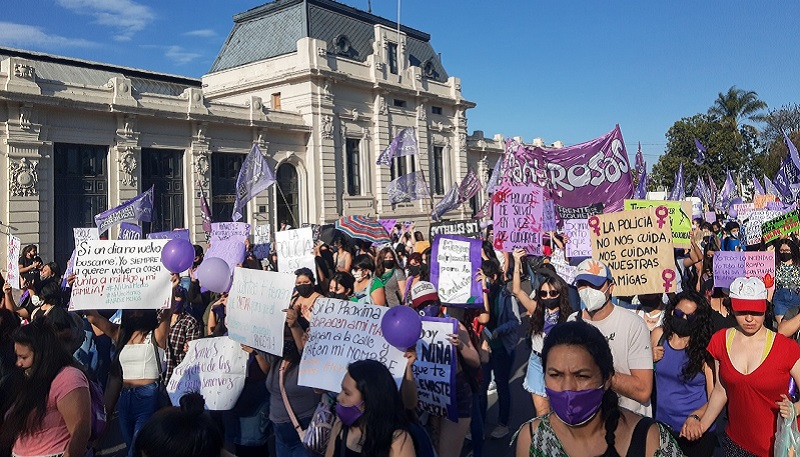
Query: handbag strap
{"x": 286, "y": 403}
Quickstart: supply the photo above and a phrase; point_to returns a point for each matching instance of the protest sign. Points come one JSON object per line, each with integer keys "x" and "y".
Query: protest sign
{"x": 80, "y": 234}
{"x": 729, "y": 265}
{"x": 781, "y": 225}
{"x": 129, "y": 232}
{"x": 120, "y": 274}
{"x": 230, "y": 250}
{"x": 579, "y": 244}
{"x": 752, "y": 228}
{"x": 14, "y": 249}
{"x": 295, "y": 249}
{"x": 711, "y": 217}
{"x": 316, "y": 230}
{"x": 342, "y": 332}
{"x": 227, "y": 230}
{"x": 214, "y": 367}
{"x": 680, "y": 215}
{"x": 697, "y": 208}
{"x": 760, "y": 201}
{"x": 388, "y": 224}
{"x": 518, "y": 218}
{"x": 744, "y": 210}
{"x": 637, "y": 247}
{"x": 454, "y": 261}
{"x": 549, "y": 223}
{"x": 583, "y": 212}
{"x": 261, "y": 239}
{"x": 255, "y": 308}
{"x": 178, "y": 234}
{"x": 435, "y": 368}
{"x": 565, "y": 270}
{"x": 468, "y": 228}
{"x": 407, "y": 226}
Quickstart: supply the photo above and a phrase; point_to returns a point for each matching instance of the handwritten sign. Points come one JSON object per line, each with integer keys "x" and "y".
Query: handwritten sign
{"x": 680, "y": 215}
{"x": 760, "y": 201}
{"x": 781, "y": 225}
{"x": 753, "y": 226}
{"x": 180, "y": 234}
{"x": 120, "y": 274}
{"x": 468, "y": 228}
{"x": 14, "y": 248}
{"x": 637, "y": 247}
{"x": 80, "y": 235}
{"x": 261, "y": 239}
{"x": 255, "y": 308}
{"x": 729, "y": 265}
{"x": 435, "y": 368}
{"x": 214, "y": 367}
{"x": 342, "y": 332}
{"x": 227, "y": 230}
{"x": 454, "y": 261}
{"x": 744, "y": 210}
{"x": 230, "y": 250}
{"x": 549, "y": 222}
{"x": 388, "y": 224}
{"x": 579, "y": 243}
{"x": 518, "y": 218}
{"x": 565, "y": 270}
{"x": 128, "y": 231}
{"x": 295, "y": 249}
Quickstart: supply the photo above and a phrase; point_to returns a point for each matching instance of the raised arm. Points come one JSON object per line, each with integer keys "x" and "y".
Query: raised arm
{"x": 516, "y": 283}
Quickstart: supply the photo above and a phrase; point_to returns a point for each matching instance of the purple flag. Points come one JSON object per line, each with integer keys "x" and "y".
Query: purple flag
{"x": 577, "y": 176}
{"x": 493, "y": 180}
{"x": 701, "y": 152}
{"x": 641, "y": 166}
{"x": 404, "y": 144}
{"x": 712, "y": 192}
{"x": 792, "y": 151}
{"x": 787, "y": 175}
{"x": 205, "y": 212}
{"x": 759, "y": 190}
{"x": 700, "y": 190}
{"x": 727, "y": 193}
{"x": 129, "y": 232}
{"x": 485, "y": 211}
{"x": 641, "y": 189}
{"x": 139, "y": 208}
{"x": 448, "y": 203}
{"x": 678, "y": 192}
{"x": 470, "y": 186}
{"x": 255, "y": 176}
{"x": 770, "y": 188}
{"x": 407, "y": 188}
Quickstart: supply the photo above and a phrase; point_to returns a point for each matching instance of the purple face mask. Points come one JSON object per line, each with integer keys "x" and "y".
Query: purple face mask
{"x": 349, "y": 414}
{"x": 575, "y": 407}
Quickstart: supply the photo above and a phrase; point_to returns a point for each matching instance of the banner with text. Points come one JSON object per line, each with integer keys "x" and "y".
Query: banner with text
{"x": 454, "y": 262}
{"x": 468, "y": 228}
{"x": 129, "y": 231}
{"x": 518, "y": 218}
{"x": 435, "y": 368}
{"x": 579, "y": 244}
{"x": 680, "y": 215}
{"x": 177, "y": 234}
{"x": 227, "y": 230}
{"x": 295, "y": 249}
{"x": 781, "y": 225}
{"x": 729, "y": 265}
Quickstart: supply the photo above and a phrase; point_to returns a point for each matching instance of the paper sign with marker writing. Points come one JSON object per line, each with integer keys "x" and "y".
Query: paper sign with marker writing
{"x": 120, "y": 274}
{"x": 781, "y": 225}
{"x": 518, "y": 218}
{"x": 227, "y": 230}
{"x": 255, "y": 308}
{"x": 680, "y": 214}
{"x": 729, "y": 265}
{"x": 435, "y": 368}
{"x": 637, "y": 247}
{"x": 261, "y": 240}
{"x": 760, "y": 201}
{"x": 342, "y": 332}
{"x": 230, "y": 250}
{"x": 14, "y": 248}
{"x": 579, "y": 243}
{"x": 744, "y": 210}
{"x": 80, "y": 234}
{"x": 565, "y": 270}
{"x": 295, "y": 249}
{"x": 454, "y": 261}
{"x": 214, "y": 367}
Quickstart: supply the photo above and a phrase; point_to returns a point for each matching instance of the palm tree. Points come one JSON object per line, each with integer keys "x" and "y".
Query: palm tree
{"x": 738, "y": 104}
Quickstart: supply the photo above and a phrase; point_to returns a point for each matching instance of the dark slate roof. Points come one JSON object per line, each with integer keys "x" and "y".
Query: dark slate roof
{"x": 273, "y": 29}
{"x": 77, "y": 71}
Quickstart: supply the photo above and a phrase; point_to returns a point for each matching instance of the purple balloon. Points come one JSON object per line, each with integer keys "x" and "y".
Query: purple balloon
{"x": 214, "y": 274}
{"x": 401, "y": 327}
{"x": 177, "y": 255}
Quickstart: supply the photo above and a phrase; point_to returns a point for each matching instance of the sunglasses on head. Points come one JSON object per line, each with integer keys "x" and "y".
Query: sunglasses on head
{"x": 681, "y": 315}
{"x": 552, "y": 293}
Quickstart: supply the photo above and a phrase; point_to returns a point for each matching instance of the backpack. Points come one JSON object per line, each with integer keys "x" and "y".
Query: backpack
{"x": 99, "y": 418}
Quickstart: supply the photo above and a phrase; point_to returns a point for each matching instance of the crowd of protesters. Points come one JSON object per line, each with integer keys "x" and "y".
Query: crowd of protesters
{"x": 705, "y": 370}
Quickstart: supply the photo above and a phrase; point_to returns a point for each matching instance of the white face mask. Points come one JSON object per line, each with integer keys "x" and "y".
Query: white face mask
{"x": 358, "y": 275}
{"x": 592, "y": 299}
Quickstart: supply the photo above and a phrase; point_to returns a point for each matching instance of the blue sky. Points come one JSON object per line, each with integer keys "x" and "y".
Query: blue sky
{"x": 564, "y": 70}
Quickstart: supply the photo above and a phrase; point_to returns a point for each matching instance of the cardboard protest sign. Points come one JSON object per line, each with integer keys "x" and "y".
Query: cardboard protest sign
{"x": 14, "y": 249}
{"x": 753, "y": 226}
{"x": 565, "y": 270}
{"x": 129, "y": 231}
{"x": 454, "y": 261}
{"x": 579, "y": 243}
{"x": 226, "y": 230}
{"x": 214, "y": 367}
{"x": 178, "y": 234}
{"x": 729, "y": 265}
{"x": 120, "y": 274}
{"x": 255, "y": 308}
{"x": 467, "y": 228}
{"x": 295, "y": 249}
{"x": 518, "y": 218}
{"x": 744, "y": 210}
{"x": 261, "y": 240}
{"x": 435, "y": 368}
{"x": 760, "y": 201}
{"x": 230, "y": 250}
{"x": 680, "y": 215}
{"x": 637, "y": 247}
{"x": 342, "y": 332}
{"x": 781, "y": 225}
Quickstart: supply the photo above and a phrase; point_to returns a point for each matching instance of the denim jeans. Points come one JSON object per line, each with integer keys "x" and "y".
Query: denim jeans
{"x": 476, "y": 426}
{"x": 287, "y": 441}
{"x": 500, "y": 362}
{"x": 136, "y": 406}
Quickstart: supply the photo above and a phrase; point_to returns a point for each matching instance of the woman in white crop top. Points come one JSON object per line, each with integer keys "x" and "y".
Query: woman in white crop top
{"x": 140, "y": 360}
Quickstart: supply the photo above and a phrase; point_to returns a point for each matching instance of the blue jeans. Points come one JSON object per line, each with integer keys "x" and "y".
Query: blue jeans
{"x": 784, "y": 299}
{"x": 476, "y": 426}
{"x": 287, "y": 441}
{"x": 500, "y": 362}
{"x": 135, "y": 407}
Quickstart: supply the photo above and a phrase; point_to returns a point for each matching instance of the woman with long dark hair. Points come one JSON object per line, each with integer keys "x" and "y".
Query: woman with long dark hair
{"x": 586, "y": 416}
{"x": 371, "y": 418}
{"x": 548, "y": 306}
{"x": 50, "y": 412}
{"x": 392, "y": 276}
{"x": 787, "y": 277}
{"x": 368, "y": 288}
{"x": 685, "y": 371}
{"x": 306, "y": 292}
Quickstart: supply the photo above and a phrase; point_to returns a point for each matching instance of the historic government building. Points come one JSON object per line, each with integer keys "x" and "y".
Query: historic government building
{"x": 320, "y": 86}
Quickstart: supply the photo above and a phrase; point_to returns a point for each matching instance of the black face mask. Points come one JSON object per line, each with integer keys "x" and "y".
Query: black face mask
{"x": 304, "y": 290}
{"x": 550, "y": 303}
{"x": 413, "y": 270}
{"x": 388, "y": 264}
{"x": 337, "y": 296}
{"x": 785, "y": 256}
{"x": 681, "y": 326}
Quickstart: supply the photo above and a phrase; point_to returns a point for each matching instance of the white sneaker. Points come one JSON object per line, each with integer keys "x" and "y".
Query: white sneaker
{"x": 499, "y": 431}
{"x": 492, "y": 387}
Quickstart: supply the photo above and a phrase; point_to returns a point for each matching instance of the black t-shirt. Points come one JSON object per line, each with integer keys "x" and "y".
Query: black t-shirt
{"x": 31, "y": 275}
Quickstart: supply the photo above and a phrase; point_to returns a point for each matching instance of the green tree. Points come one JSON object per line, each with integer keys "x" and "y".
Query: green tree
{"x": 785, "y": 119}
{"x": 737, "y": 105}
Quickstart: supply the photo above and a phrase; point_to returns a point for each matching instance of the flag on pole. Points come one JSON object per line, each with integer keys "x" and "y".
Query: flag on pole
{"x": 787, "y": 175}
{"x": 404, "y": 144}
{"x": 470, "y": 186}
{"x": 205, "y": 211}
{"x": 770, "y": 188}
{"x": 485, "y": 211}
{"x": 792, "y": 151}
{"x": 641, "y": 189}
{"x": 727, "y": 193}
{"x": 139, "y": 208}
{"x": 640, "y": 164}
{"x": 678, "y": 192}
{"x": 700, "y": 190}
{"x": 407, "y": 188}
{"x": 713, "y": 196}
{"x": 495, "y": 176}
{"x": 701, "y": 152}
{"x": 448, "y": 203}
{"x": 255, "y": 176}
{"x": 759, "y": 190}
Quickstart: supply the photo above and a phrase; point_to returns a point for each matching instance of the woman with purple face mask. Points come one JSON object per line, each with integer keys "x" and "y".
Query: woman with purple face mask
{"x": 585, "y": 413}
{"x": 371, "y": 418}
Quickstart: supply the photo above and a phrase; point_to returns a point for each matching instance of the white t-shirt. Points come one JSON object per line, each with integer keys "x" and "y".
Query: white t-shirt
{"x": 629, "y": 339}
